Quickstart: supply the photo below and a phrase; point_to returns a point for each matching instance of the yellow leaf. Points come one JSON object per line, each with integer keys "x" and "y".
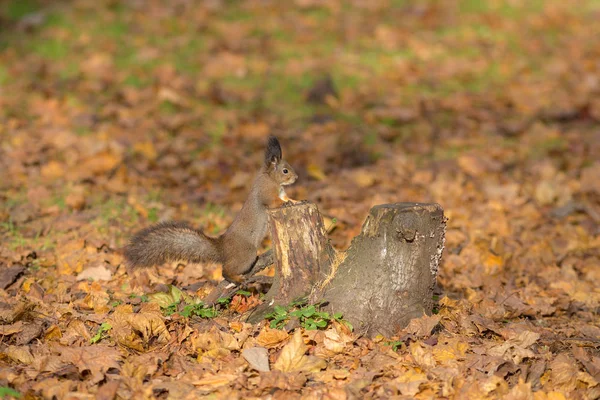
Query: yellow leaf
{"x": 422, "y": 356}
{"x": 99, "y": 164}
{"x": 146, "y": 148}
{"x": 53, "y": 333}
{"x": 556, "y": 396}
{"x": 214, "y": 344}
{"x": 363, "y": 178}
{"x": 315, "y": 172}
{"x": 53, "y": 170}
{"x": 215, "y": 381}
{"x": 409, "y": 382}
{"x": 451, "y": 351}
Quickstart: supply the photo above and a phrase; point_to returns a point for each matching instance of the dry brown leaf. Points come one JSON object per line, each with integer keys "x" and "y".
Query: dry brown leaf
{"x": 14, "y": 310}
{"x": 409, "y": 382}
{"x": 292, "y": 357}
{"x": 270, "y": 338}
{"x": 280, "y": 380}
{"x": 213, "y": 382}
{"x": 258, "y": 358}
{"x": 422, "y": 327}
{"x": 453, "y": 350}
{"x": 19, "y": 354}
{"x": 16, "y": 327}
{"x": 138, "y": 331}
{"x": 336, "y": 338}
{"x": 516, "y": 348}
{"x": 53, "y": 332}
{"x": 98, "y": 164}
{"x": 54, "y": 388}
{"x": 53, "y": 170}
{"x": 96, "y": 359}
{"x": 76, "y": 331}
{"x": 214, "y": 344}
{"x": 422, "y": 356}
{"x": 97, "y": 273}
{"x": 363, "y": 178}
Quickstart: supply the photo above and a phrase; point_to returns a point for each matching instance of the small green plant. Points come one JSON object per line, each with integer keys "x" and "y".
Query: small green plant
{"x": 198, "y": 310}
{"x": 396, "y": 344}
{"x": 6, "y": 391}
{"x": 104, "y": 328}
{"x": 278, "y": 317}
{"x": 170, "y": 309}
{"x": 309, "y": 316}
{"x": 143, "y": 298}
{"x": 17, "y": 238}
{"x": 153, "y": 215}
{"x": 224, "y": 301}
{"x": 333, "y": 223}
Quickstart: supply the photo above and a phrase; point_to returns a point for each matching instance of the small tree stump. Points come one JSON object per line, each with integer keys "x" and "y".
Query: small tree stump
{"x": 303, "y": 254}
{"x": 380, "y": 283}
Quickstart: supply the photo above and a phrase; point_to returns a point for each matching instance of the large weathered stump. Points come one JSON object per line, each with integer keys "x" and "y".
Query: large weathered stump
{"x": 384, "y": 279}
{"x": 390, "y": 269}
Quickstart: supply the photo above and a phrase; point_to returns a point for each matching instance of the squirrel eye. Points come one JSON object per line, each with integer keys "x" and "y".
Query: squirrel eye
{"x": 285, "y": 171}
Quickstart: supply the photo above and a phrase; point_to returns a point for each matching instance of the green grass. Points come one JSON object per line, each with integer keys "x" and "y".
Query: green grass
{"x": 51, "y": 48}
{"x": 17, "y": 9}
{"x": 15, "y": 238}
{"x": 504, "y": 9}
{"x": 4, "y": 75}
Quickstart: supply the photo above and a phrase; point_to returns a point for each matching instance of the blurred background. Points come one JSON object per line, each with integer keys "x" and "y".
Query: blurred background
{"x": 117, "y": 114}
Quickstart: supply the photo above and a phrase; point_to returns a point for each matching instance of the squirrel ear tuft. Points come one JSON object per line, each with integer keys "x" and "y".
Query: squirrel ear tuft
{"x": 273, "y": 152}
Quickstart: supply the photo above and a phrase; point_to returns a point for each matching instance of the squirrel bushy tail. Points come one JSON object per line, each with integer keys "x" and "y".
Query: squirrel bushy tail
{"x": 171, "y": 241}
{"x": 237, "y": 247}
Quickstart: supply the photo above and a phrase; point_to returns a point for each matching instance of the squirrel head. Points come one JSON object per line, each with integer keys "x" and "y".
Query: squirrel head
{"x": 278, "y": 168}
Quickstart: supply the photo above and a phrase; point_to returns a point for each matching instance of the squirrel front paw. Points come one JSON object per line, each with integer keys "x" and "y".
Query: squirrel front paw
{"x": 284, "y": 197}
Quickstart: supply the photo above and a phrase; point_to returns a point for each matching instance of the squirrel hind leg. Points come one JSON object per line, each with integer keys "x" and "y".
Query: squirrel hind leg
{"x": 238, "y": 265}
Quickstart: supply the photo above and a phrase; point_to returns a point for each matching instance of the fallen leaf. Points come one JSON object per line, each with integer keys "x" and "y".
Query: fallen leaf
{"x": 139, "y": 330}
{"x": 9, "y": 275}
{"x": 422, "y": 327}
{"x": 53, "y": 170}
{"x": 315, "y": 172}
{"x": 292, "y": 357}
{"x": 19, "y": 354}
{"x": 270, "y": 338}
{"x": 258, "y": 358}
{"x": 6, "y": 330}
{"x": 98, "y": 273}
{"x": 96, "y": 359}
{"x": 409, "y": 382}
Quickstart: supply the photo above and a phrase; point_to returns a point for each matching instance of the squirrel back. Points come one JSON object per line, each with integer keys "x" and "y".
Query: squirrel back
{"x": 237, "y": 248}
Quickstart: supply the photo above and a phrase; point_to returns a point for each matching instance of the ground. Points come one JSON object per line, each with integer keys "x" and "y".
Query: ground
{"x": 115, "y": 115}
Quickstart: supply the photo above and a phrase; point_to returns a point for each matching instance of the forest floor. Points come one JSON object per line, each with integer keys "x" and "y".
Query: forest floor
{"x": 115, "y": 115}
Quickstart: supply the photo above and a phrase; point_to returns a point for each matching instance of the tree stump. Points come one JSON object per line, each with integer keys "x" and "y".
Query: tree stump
{"x": 384, "y": 279}
{"x": 389, "y": 273}
{"x": 303, "y": 254}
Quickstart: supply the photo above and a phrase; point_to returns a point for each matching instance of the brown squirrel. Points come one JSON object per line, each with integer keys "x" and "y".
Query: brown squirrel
{"x": 237, "y": 248}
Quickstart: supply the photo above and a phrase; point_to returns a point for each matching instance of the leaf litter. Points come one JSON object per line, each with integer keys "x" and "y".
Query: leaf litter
{"x": 117, "y": 115}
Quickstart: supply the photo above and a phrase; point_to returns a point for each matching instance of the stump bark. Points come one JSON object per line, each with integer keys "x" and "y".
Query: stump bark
{"x": 384, "y": 279}
{"x": 389, "y": 273}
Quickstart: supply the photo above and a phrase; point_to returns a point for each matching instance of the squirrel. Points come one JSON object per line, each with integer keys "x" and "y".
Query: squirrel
{"x": 236, "y": 249}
